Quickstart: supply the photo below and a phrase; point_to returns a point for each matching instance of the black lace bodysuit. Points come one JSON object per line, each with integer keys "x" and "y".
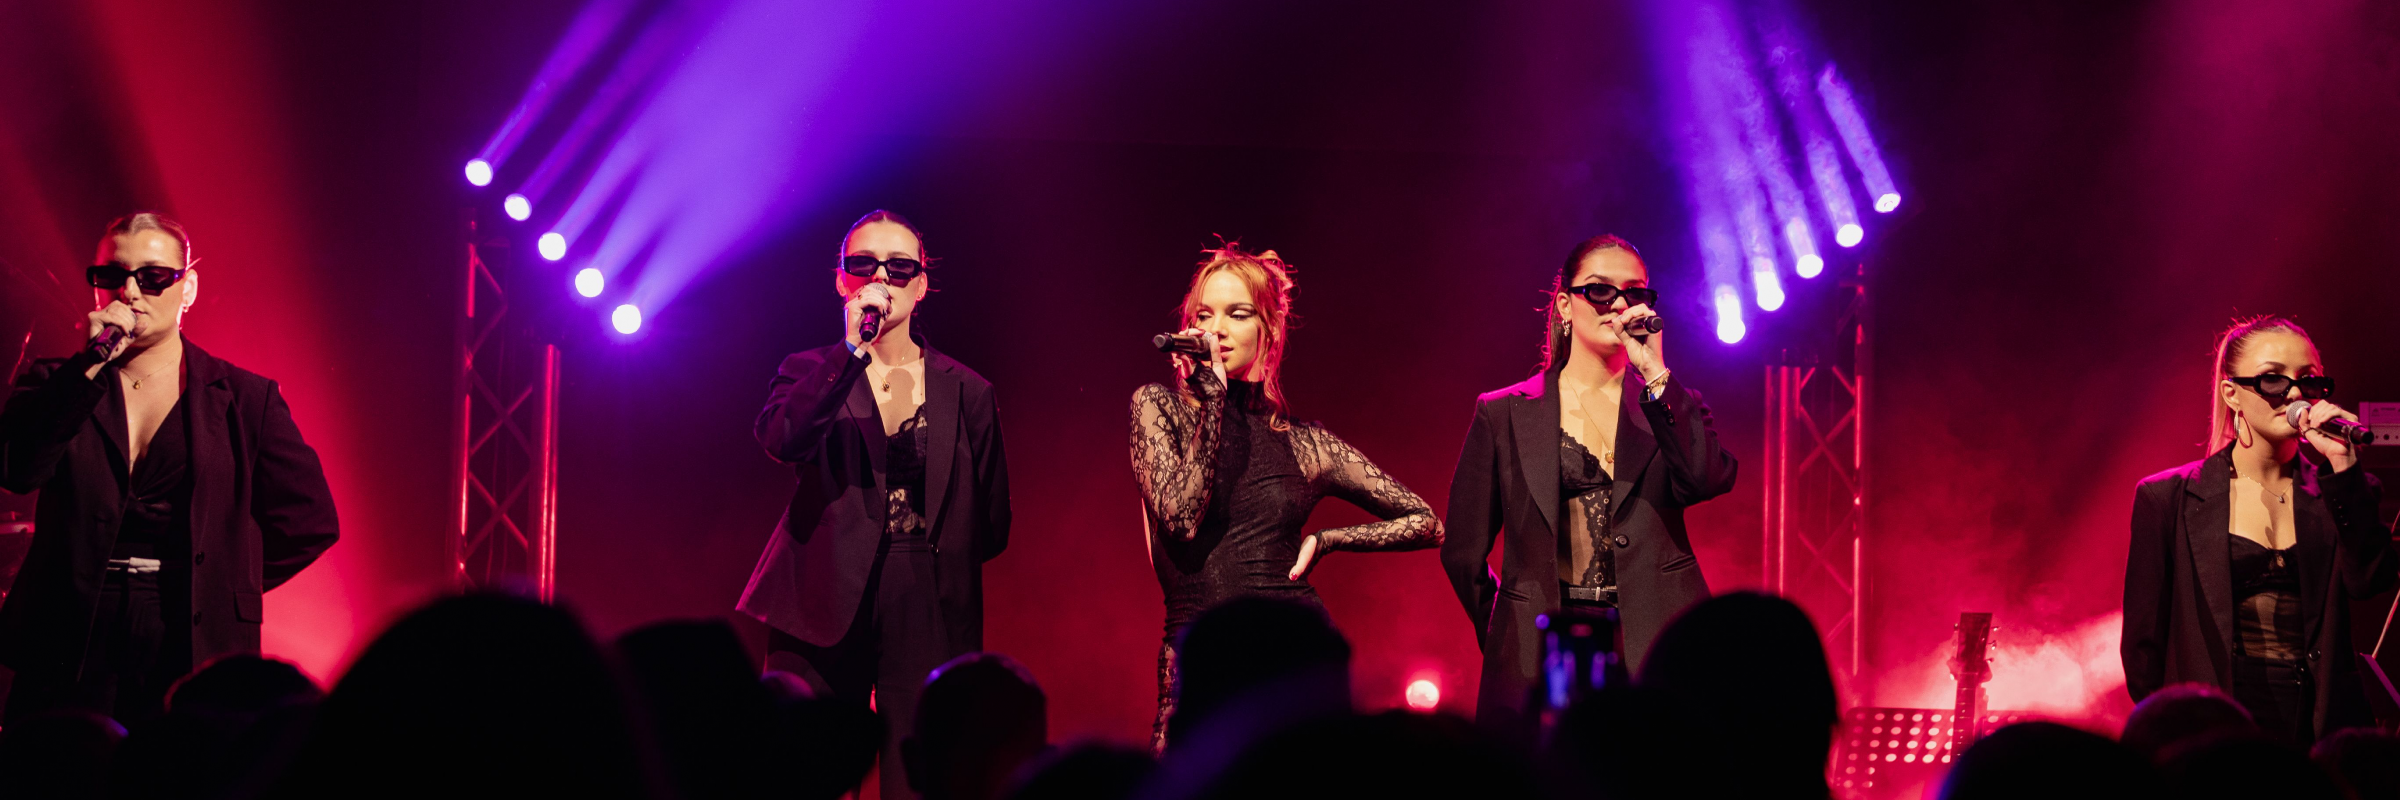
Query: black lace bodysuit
{"x": 1227, "y": 494}
{"x": 2270, "y": 672}
{"x": 1587, "y": 555}
{"x": 904, "y": 523}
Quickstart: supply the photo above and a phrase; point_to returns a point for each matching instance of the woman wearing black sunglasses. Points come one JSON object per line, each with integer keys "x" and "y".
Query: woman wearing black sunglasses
{"x": 174, "y": 487}
{"x": 1587, "y": 467}
{"x": 2243, "y": 563}
{"x": 874, "y": 575}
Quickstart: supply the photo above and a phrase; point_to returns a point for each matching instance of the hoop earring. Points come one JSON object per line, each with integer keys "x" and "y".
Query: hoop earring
{"x": 2241, "y": 430}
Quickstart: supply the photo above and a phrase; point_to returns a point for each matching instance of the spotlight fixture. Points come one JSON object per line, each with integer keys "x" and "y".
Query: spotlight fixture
{"x": 553, "y": 246}
{"x": 518, "y": 207}
{"x": 627, "y": 318}
{"x": 589, "y": 282}
{"x": 479, "y": 172}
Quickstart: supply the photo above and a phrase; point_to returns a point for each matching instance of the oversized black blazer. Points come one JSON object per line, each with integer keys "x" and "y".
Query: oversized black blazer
{"x": 1507, "y": 484}
{"x": 821, "y": 418}
{"x": 260, "y": 508}
{"x": 2179, "y": 580}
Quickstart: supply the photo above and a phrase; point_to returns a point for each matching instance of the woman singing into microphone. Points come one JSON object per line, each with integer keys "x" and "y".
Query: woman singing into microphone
{"x": 874, "y": 576}
{"x": 2243, "y": 564}
{"x": 1228, "y": 478}
{"x": 175, "y": 492}
{"x": 1588, "y": 467}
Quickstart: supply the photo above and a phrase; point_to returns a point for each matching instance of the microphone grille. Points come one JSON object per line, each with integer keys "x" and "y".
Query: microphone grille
{"x": 2295, "y": 413}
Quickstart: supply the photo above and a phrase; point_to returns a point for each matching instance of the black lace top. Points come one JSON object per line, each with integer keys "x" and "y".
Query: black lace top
{"x": 1227, "y": 495}
{"x": 1587, "y": 554}
{"x": 2267, "y": 609}
{"x": 904, "y": 484}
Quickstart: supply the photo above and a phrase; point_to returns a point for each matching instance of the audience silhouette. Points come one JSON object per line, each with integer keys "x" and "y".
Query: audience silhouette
{"x": 500, "y": 696}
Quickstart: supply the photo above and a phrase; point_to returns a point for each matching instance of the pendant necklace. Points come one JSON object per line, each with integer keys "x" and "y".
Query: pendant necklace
{"x": 137, "y": 379}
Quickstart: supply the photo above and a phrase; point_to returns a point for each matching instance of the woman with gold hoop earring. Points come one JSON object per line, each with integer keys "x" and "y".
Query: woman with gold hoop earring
{"x": 2243, "y": 563}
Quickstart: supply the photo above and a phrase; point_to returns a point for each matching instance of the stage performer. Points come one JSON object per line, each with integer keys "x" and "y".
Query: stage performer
{"x": 2243, "y": 564}
{"x": 176, "y": 491}
{"x": 874, "y": 575}
{"x": 1587, "y": 466}
{"x": 1228, "y": 478}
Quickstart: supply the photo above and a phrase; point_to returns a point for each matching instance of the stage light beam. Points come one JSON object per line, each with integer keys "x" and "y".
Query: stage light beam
{"x": 1888, "y": 201}
{"x": 518, "y": 207}
{"x": 552, "y": 245}
{"x": 627, "y": 318}
{"x": 589, "y": 282}
{"x": 1730, "y": 329}
{"x": 479, "y": 172}
{"x": 1424, "y": 694}
{"x": 1849, "y": 235}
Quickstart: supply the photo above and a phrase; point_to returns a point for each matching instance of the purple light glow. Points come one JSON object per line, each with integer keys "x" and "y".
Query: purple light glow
{"x": 518, "y": 207}
{"x": 479, "y": 172}
{"x": 1843, "y": 109}
{"x": 1804, "y": 248}
{"x": 1884, "y": 204}
{"x": 1849, "y": 235}
{"x": 552, "y": 245}
{"x": 585, "y": 37}
{"x": 1729, "y": 316}
{"x": 626, "y": 319}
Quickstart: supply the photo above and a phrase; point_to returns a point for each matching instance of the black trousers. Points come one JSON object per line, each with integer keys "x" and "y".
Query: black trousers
{"x": 897, "y": 638}
{"x": 133, "y": 657}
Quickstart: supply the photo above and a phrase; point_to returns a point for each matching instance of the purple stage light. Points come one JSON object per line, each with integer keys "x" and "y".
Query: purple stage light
{"x": 1849, "y": 235}
{"x": 1804, "y": 248}
{"x": 518, "y": 207}
{"x": 589, "y": 282}
{"x": 552, "y": 245}
{"x": 1729, "y": 316}
{"x": 591, "y": 30}
{"x": 1843, "y": 109}
{"x": 479, "y": 172}
{"x": 1767, "y": 286}
{"x": 627, "y": 318}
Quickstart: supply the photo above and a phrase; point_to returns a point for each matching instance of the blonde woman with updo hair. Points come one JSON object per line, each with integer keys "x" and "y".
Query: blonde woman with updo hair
{"x": 2243, "y": 564}
{"x": 176, "y": 491}
{"x": 1228, "y": 477}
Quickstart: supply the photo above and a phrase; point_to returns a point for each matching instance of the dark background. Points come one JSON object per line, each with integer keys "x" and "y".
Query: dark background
{"x": 2092, "y": 191}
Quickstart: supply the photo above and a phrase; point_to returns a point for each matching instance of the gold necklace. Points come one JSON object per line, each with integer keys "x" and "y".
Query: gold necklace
{"x": 137, "y": 379}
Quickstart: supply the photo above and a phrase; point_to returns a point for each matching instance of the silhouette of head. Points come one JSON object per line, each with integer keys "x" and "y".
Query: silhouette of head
{"x": 980, "y": 718}
{"x": 2049, "y": 761}
{"x": 1086, "y": 771}
{"x": 707, "y": 709}
{"x": 1753, "y": 666}
{"x": 2365, "y": 761}
{"x": 2180, "y": 714}
{"x": 1255, "y": 643}
{"x": 2244, "y": 766}
{"x": 483, "y": 695}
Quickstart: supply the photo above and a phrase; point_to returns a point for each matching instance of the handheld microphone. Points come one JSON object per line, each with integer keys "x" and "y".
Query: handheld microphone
{"x": 2347, "y": 430}
{"x": 1641, "y": 328}
{"x": 1179, "y": 343}
{"x": 105, "y": 344}
{"x": 870, "y": 322}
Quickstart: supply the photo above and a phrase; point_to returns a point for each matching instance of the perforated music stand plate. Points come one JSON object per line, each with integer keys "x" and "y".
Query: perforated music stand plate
{"x": 1883, "y": 752}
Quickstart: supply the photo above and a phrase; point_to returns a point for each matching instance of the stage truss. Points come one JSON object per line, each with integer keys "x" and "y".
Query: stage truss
{"x": 1814, "y": 547}
{"x": 503, "y": 532}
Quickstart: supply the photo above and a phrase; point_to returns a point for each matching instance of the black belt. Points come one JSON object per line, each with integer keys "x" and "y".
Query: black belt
{"x": 1590, "y": 594}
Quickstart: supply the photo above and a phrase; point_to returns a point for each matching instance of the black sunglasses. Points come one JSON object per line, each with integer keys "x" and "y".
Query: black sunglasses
{"x": 1602, "y": 295}
{"x": 2274, "y": 386}
{"x": 151, "y": 279}
{"x": 901, "y": 268}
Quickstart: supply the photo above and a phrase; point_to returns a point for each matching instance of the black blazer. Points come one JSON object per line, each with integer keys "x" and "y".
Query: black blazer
{"x": 822, "y": 419}
{"x": 1667, "y": 458}
{"x": 2179, "y": 579}
{"x": 260, "y": 509}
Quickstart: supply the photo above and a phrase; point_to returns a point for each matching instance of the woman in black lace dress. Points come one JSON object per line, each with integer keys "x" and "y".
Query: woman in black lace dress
{"x": 1228, "y": 478}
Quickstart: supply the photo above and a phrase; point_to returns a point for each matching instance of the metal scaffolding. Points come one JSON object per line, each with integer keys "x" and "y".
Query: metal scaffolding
{"x": 504, "y": 486}
{"x": 1816, "y": 489}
